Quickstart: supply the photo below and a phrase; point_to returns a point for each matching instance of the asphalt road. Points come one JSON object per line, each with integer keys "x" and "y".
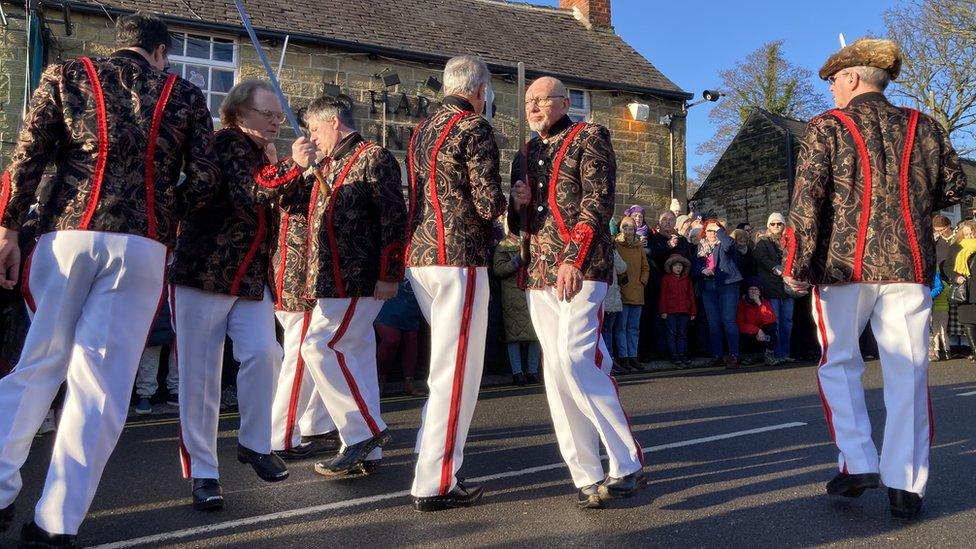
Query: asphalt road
{"x": 734, "y": 460}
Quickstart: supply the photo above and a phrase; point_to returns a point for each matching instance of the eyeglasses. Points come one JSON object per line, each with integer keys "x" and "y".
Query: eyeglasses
{"x": 834, "y": 78}
{"x": 543, "y": 101}
{"x": 270, "y": 115}
{"x": 775, "y": 224}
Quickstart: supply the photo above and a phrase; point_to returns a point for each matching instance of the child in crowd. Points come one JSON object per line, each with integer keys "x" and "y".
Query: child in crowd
{"x": 757, "y": 321}
{"x": 677, "y": 306}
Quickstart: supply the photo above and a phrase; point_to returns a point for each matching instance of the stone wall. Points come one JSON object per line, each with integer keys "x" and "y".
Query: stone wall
{"x": 643, "y": 149}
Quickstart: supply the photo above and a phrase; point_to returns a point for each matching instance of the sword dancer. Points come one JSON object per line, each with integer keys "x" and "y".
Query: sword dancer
{"x": 120, "y": 130}
{"x": 455, "y": 195}
{"x": 568, "y": 193}
{"x": 869, "y": 177}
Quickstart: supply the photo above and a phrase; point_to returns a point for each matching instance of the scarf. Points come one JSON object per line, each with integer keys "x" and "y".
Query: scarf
{"x": 968, "y": 248}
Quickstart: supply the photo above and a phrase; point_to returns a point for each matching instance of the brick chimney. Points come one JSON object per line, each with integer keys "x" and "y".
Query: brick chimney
{"x": 592, "y": 12}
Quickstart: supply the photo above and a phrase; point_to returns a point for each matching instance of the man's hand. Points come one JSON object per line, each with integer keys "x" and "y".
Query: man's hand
{"x": 9, "y": 258}
{"x": 385, "y": 290}
{"x": 520, "y": 194}
{"x": 673, "y": 241}
{"x": 960, "y": 280}
{"x": 760, "y": 335}
{"x": 303, "y": 152}
{"x": 664, "y": 316}
{"x": 569, "y": 281}
{"x": 271, "y": 152}
{"x": 797, "y": 286}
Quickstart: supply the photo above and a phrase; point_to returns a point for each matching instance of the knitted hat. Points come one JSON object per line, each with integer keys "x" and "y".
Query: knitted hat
{"x": 634, "y": 209}
{"x": 681, "y": 221}
{"x": 775, "y": 217}
{"x": 940, "y": 221}
{"x": 754, "y": 282}
{"x": 866, "y": 52}
{"x": 675, "y": 206}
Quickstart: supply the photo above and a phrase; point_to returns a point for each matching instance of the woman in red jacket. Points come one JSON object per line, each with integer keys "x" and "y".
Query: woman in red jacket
{"x": 757, "y": 321}
{"x": 677, "y": 306}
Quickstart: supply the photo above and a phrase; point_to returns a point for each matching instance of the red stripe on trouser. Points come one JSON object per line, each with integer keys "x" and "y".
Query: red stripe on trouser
{"x": 25, "y": 286}
{"x": 822, "y": 332}
{"x": 616, "y": 388}
{"x": 460, "y": 363}
{"x": 350, "y": 380}
{"x": 184, "y": 454}
{"x": 296, "y": 384}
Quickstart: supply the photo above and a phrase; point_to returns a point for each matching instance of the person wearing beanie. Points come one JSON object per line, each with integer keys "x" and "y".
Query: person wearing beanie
{"x": 769, "y": 264}
{"x": 677, "y": 306}
{"x": 675, "y": 207}
{"x": 757, "y": 321}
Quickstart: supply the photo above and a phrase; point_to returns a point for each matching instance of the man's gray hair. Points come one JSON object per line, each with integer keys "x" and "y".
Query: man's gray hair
{"x": 873, "y": 76}
{"x": 325, "y": 107}
{"x": 465, "y": 74}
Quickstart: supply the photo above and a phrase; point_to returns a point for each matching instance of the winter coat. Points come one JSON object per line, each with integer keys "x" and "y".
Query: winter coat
{"x": 515, "y": 308}
{"x": 638, "y": 271}
{"x": 613, "y": 303}
{"x": 966, "y": 311}
{"x": 677, "y": 292}
{"x": 726, "y": 260}
{"x": 868, "y": 179}
{"x": 751, "y": 317}
{"x": 769, "y": 262}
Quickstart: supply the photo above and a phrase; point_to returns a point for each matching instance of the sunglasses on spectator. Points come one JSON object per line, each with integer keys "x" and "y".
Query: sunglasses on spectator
{"x": 775, "y": 224}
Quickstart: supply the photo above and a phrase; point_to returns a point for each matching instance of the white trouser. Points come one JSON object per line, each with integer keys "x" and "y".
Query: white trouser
{"x": 899, "y": 315}
{"x": 340, "y": 354}
{"x": 202, "y": 320}
{"x": 146, "y": 382}
{"x": 296, "y": 401}
{"x": 454, "y": 300}
{"x": 582, "y": 396}
{"x": 96, "y": 296}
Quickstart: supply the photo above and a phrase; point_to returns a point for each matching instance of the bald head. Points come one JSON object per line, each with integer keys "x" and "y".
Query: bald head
{"x": 546, "y": 102}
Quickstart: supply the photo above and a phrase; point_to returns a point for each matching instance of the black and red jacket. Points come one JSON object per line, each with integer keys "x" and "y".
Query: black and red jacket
{"x": 225, "y": 247}
{"x": 869, "y": 178}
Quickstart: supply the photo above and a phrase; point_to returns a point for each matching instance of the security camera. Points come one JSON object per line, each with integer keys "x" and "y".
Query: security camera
{"x": 712, "y": 95}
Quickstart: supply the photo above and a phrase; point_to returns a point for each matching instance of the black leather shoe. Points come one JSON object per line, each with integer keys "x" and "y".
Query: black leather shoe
{"x": 533, "y": 379}
{"x": 31, "y": 535}
{"x": 518, "y": 379}
{"x": 852, "y": 486}
{"x": 613, "y": 488}
{"x": 268, "y": 466}
{"x": 364, "y": 469}
{"x": 904, "y": 504}
{"x": 327, "y": 439}
{"x": 312, "y": 446}
{"x": 353, "y": 455}
{"x": 207, "y": 495}
{"x": 6, "y": 516}
{"x": 460, "y": 496}
{"x": 589, "y": 497}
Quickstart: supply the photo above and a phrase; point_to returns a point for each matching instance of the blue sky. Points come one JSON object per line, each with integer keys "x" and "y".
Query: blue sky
{"x": 690, "y": 42}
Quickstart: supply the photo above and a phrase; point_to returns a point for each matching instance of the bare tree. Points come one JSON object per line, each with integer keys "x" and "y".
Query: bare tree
{"x": 764, "y": 79}
{"x": 938, "y": 42}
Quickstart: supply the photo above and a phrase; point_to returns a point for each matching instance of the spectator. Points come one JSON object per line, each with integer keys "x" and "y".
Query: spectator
{"x": 757, "y": 321}
{"x": 960, "y": 269}
{"x": 397, "y": 325}
{"x": 720, "y": 292}
{"x": 675, "y": 207}
{"x": 519, "y": 332}
{"x": 747, "y": 228}
{"x": 682, "y": 225}
{"x": 636, "y": 213}
{"x": 677, "y": 306}
{"x": 942, "y": 309}
{"x": 769, "y": 262}
{"x": 747, "y": 261}
{"x": 631, "y": 293}
{"x": 612, "y": 307}
{"x": 160, "y": 335}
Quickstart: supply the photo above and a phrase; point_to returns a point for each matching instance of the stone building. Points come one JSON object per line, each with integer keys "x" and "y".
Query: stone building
{"x": 348, "y": 48}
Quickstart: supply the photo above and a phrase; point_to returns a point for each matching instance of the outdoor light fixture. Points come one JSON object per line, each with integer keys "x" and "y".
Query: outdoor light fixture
{"x": 433, "y": 84}
{"x": 639, "y": 111}
{"x": 331, "y": 90}
{"x": 707, "y": 95}
{"x": 390, "y": 77}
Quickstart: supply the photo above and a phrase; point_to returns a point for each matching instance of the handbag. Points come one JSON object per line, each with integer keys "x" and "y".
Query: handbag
{"x": 959, "y": 294}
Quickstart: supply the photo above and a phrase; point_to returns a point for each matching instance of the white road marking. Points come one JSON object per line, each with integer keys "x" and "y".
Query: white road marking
{"x": 969, "y": 394}
{"x": 284, "y": 515}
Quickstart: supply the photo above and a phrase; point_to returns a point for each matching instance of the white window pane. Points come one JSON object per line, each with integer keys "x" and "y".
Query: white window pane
{"x": 199, "y": 76}
{"x": 216, "y": 99}
{"x": 179, "y": 43}
{"x": 223, "y": 50}
{"x": 176, "y": 68}
{"x": 222, "y": 80}
{"x": 577, "y": 99}
{"x": 198, "y": 46}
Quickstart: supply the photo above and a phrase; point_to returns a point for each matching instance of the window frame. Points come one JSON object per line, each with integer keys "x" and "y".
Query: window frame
{"x": 211, "y": 63}
{"x": 580, "y": 114}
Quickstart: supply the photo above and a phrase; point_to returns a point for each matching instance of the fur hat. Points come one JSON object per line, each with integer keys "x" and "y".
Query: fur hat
{"x": 677, "y": 258}
{"x": 865, "y": 52}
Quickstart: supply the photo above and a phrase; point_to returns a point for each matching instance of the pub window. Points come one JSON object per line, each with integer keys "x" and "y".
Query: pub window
{"x": 207, "y": 62}
{"x": 579, "y": 105}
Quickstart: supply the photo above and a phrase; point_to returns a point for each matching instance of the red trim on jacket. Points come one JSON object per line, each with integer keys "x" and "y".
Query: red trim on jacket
{"x": 441, "y": 247}
{"x": 283, "y": 262}
{"x": 350, "y": 380}
{"x": 266, "y": 176}
{"x": 311, "y": 212}
{"x": 583, "y": 236}
{"x": 102, "y": 158}
{"x": 865, "y": 160}
{"x": 788, "y": 241}
{"x": 822, "y": 332}
{"x": 151, "y": 155}
{"x": 412, "y": 180}
{"x": 554, "y": 179}
{"x": 392, "y": 252}
{"x": 251, "y": 252}
{"x": 330, "y": 212}
{"x": 460, "y": 364}
{"x": 5, "y": 189}
{"x": 906, "y": 209}
{"x": 296, "y": 384}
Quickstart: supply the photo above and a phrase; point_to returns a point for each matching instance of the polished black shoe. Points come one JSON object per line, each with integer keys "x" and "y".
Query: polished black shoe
{"x": 519, "y": 379}
{"x": 532, "y": 379}
{"x": 460, "y": 496}
{"x": 589, "y": 497}
{"x": 852, "y": 486}
{"x": 311, "y": 446}
{"x": 207, "y": 495}
{"x": 268, "y": 466}
{"x": 31, "y": 535}
{"x": 364, "y": 469}
{"x": 353, "y": 455}
{"x": 6, "y": 516}
{"x": 624, "y": 487}
{"x": 904, "y": 504}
